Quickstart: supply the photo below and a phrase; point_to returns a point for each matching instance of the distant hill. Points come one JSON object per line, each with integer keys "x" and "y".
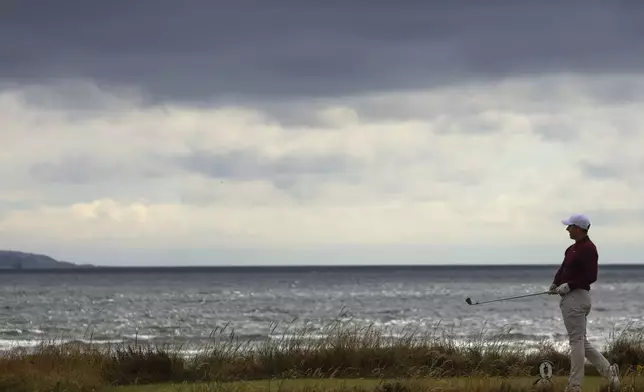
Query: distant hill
{"x": 20, "y": 260}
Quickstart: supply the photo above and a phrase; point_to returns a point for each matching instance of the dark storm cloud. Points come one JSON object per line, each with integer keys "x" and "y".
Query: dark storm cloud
{"x": 198, "y": 49}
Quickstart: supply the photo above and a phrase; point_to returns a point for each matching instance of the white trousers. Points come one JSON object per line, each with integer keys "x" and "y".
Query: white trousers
{"x": 575, "y": 307}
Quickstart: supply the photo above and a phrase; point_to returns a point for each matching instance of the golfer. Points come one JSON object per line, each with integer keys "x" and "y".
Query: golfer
{"x": 572, "y": 281}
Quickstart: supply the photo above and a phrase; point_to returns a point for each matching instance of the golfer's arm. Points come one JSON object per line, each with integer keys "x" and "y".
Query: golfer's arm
{"x": 557, "y": 279}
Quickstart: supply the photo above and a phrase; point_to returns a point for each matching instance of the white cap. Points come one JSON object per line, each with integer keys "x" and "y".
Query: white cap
{"x": 579, "y": 220}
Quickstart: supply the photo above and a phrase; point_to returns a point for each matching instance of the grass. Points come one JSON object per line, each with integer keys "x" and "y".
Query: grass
{"x": 347, "y": 357}
{"x": 371, "y": 385}
{"x": 483, "y": 384}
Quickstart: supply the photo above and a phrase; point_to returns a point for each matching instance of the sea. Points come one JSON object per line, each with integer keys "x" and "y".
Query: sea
{"x": 184, "y": 307}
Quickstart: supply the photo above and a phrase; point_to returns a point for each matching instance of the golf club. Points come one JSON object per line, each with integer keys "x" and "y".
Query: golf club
{"x": 469, "y": 300}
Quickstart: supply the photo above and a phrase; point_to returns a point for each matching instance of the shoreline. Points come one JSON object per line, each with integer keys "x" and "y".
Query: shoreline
{"x": 182, "y": 346}
{"x": 312, "y": 335}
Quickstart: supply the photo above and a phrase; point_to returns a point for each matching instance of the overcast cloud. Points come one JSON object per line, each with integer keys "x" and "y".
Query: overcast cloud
{"x": 242, "y": 132}
{"x": 249, "y": 48}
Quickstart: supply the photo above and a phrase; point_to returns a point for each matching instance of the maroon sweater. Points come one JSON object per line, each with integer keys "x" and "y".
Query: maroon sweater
{"x": 579, "y": 267}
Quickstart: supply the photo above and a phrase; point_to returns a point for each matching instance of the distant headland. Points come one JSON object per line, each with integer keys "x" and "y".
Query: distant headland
{"x": 14, "y": 260}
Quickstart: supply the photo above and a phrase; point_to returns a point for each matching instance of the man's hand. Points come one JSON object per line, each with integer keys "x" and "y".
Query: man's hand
{"x": 563, "y": 289}
{"x": 553, "y": 289}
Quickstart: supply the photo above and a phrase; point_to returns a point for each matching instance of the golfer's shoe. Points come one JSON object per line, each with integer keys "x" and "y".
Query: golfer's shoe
{"x": 613, "y": 378}
{"x": 573, "y": 388}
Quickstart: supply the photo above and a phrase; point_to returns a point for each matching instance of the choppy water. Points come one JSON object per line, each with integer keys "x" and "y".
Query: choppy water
{"x": 183, "y": 307}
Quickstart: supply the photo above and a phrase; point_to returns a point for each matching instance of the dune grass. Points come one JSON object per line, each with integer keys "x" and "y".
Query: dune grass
{"x": 482, "y": 384}
{"x": 346, "y": 351}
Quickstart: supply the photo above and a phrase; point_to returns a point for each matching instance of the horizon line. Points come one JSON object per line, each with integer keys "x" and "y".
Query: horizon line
{"x": 98, "y": 268}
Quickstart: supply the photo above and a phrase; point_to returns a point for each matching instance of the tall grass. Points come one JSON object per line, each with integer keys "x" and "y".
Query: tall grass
{"x": 468, "y": 385}
{"x": 342, "y": 350}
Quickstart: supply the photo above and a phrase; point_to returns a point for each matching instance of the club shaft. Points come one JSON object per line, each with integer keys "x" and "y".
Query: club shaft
{"x": 508, "y": 298}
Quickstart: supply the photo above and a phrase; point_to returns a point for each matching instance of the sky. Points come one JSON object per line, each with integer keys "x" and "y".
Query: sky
{"x": 291, "y": 132}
